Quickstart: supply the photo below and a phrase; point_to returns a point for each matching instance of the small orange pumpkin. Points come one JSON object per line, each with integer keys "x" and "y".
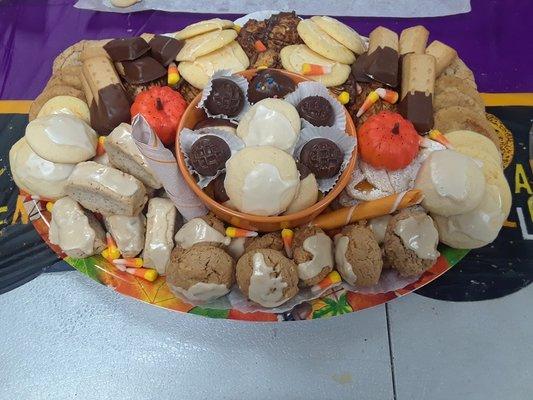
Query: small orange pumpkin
{"x": 163, "y": 108}
{"x": 388, "y": 141}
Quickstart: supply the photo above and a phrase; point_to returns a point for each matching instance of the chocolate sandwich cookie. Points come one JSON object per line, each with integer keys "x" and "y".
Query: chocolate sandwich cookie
{"x": 165, "y": 49}
{"x": 316, "y": 110}
{"x": 323, "y": 157}
{"x": 142, "y": 70}
{"x": 226, "y": 98}
{"x": 126, "y": 49}
{"x": 219, "y": 190}
{"x": 269, "y": 83}
{"x": 209, "y": 154}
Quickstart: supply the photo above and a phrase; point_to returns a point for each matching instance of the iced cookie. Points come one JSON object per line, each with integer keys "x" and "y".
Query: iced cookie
{"x": 307, "y": 194}
{"x": 358, "y": 256}
{"x": 474, "y": 145}
{"x": 411, "y": 242}
{"x": 128, "y": 233}
{"x": 160, "y": 223}
{"x": 66, "y": 105}
{"x": 261, "y": 180}
{"x": 201, "y": 27}
{"x": 35, "y": 175}
{"x": 204, "y": 44}
{"x": 203, "y": 230}
{"x": 295, "y": 56}
{"x": 76, "y": 231}
{"x": 270, "y": 240}
{"x": 201, "y": 273}
{"x": 460, "y": 118}
{"x": 267, "y": 277}
{"x": 452, "y": 183}
{"x": 198, "y": 72}
{"x": 455, "y": 97}
{"x": 313, "y": 255}
{"x": 270, "y": 122}
{"x": 50, "y": 92}
{"x": 322, "y": 43}
{"x": 342, "y": 33}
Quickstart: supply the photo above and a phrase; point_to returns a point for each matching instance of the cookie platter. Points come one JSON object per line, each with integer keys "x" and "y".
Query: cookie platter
{"x": 273, "y": 168}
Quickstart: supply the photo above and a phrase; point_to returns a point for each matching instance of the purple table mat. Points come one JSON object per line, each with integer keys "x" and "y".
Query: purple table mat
{"x": 495, "y": 39}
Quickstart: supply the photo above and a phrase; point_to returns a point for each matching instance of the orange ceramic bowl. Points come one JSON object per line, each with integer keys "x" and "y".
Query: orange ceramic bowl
{"x": 193, "y": 115}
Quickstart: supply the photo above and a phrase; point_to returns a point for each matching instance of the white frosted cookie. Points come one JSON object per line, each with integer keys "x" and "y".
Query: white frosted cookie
{"x": 198, "y": 28}
{"x": 322, "y": 43}
{"x": 294, "y": 56}
{"x": 36, "y": 175}
{"x": 62, "y": 138}
{"x": 198, "y": 72}
{"x": 66, "y": 105}
{"x": 342, "y": 33}
{"x": 204, "y": 44}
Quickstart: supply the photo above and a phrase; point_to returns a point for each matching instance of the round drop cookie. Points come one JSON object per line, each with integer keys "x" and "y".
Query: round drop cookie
{"x": 267, "y": 277}
{"x": 474, "y": 145}
{"x": 204, "y": 44}
{"x": 411, "y": 241}
{"x": 201, "y": 273}
{"x": 66, "y": 105}
{"x": 342, "y": 33}
{"x": 206, "y": 230}
{"x": 62, "y": 138}
{"x": 271, "y": 240}
{"x": 454, "y": 97}
{"x": 198, "y": 28}
{"x": 449, "y": 83}
{"x": 313, "y": 255}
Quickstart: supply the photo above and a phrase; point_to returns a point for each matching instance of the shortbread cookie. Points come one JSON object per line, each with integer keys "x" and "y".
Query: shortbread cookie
{"x": 322, "y": 43}
{"x": 342, "y": 33}
{"x": 204, "y": 44}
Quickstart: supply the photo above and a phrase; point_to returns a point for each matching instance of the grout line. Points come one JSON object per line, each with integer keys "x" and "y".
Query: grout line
{"x": 391, "y": 357}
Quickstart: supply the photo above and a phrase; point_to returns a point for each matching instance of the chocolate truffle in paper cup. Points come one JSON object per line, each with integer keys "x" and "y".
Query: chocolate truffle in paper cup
{"x": 325, "y": 152}
{"x": 316, "y": 106}
{"x": 269, "y": 83}
{"x": 206, "y": 152}
{"x": 267, "y": 277}
{"x": 225, "y": 96}
{"x": 270, "y": 122}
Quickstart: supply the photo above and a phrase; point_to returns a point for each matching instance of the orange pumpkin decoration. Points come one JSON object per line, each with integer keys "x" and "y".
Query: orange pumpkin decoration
{"x": 163, "y": 108}
{"x": 388, "y": 141}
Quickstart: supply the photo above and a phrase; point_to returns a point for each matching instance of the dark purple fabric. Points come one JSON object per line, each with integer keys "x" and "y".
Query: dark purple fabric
{"x": 495, "y": 39}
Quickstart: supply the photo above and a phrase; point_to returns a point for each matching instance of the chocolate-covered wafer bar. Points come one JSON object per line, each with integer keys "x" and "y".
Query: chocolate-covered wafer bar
{"x": 444, "y": 55}
{"x": 165, "y": 49}
{"x": 126, "y": 49}
{"x": 108, "y": 103}
{"x": 382, "y": 60}
{"x": 413, "y": 40}
{"x": 142, "y": 70}
{"x": 418, "y": 84}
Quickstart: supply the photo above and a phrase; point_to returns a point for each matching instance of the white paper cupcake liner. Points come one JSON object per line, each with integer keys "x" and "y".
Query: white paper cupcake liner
{"x": 307, "y": 89}
{"x": 189, "y": 137}
{"x": 239, "y": 80}
{"x": 345, "y": 142}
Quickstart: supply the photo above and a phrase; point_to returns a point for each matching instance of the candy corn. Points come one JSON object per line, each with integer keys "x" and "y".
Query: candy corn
{"x": 437, "y": 136}
{"x": 287, "y": 235}
{"x": 49, "y": 206}
{"x": 390, "y": 96}
{"x": 262, "y": 67}
{"x": 129, "y": 262}
{"x": 145, "y": 273}
{"x": 369, "y": 101}
{"x": 344, "y": 97}
{"x": 173, "y": 76}
{"x": 331, "y": 279}
{"x": 259, "y": 46}
{"x": 315, "y": 69}
{"x": 100, "y": 146}
{"x": 233, "y": 232}
{"x": 111, "y": 252}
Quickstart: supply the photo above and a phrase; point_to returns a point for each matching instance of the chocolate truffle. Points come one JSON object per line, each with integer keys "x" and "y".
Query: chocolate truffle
{"x": 219, "y": 191}
{"x": 323, "y": 157}
{"x": 213, "y": 122}
{"x": 165, "y": 48}
{"x": 209, "y": 154}
{"x": 269, "y": 83}
{"x": 316, "y": 110}
{"x": 126, "y": 49}
{"x": 226, "y": 98}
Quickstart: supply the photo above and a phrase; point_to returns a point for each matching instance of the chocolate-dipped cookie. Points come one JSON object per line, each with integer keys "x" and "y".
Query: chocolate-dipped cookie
{"x": 219, "y": 190}
{"x": 142, "y": 70}
{"x": 209, "y": 154}
{"x": 323, "y": 157}
{"x": 126, "y": 49}
{"x": 316, "y": 110}
{"x": 226, "y": 98}
{"x": 269, "y": 83}
{"x": 165, "y": 48}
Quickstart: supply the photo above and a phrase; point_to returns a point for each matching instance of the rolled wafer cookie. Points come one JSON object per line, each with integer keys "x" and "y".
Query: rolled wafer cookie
{"x": 444, "y": 55}
{"x": 382, "y": 60}
{"x": 413, "y": 40}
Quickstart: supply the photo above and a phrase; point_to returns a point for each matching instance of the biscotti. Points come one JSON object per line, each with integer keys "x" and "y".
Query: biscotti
{"x": 128, "y": 233}
{"x": 161, "y": 220}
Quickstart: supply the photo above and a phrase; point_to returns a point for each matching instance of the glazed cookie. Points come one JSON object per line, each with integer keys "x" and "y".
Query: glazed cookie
{"x": 342, "y": 33}
{"x": 201, "y": 273}
{"x": 267, "y": 277}
{"x": 358, "y": 256}
{"x": 67, "y": 105}
{"x": 205, "y": 44}
{"x": 454, "y": 97}
{"x": 293, "y": 57}
{"x": 313, "y": 255}
{"x": 411, "y": 242}
{"x": 460, "y": 118}
{"x": 50, "y": 92}
{"x": 199, "y": 28}
{"x": 270, "y": 240}
{"x": 307, "y": 194}
{"x": 206, "y": 230}
{"x": 449, "y": 83}
{"x": 459, "y": 69}
{"x": 322, "y": 43}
